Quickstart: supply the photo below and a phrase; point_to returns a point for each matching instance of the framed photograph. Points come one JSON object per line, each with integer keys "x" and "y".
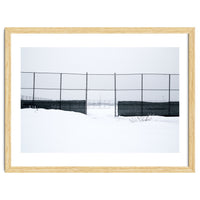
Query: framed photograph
{"x": 99, "y": 99}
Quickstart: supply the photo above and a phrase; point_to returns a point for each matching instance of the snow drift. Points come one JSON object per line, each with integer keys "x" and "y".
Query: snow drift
{"x": 56, "y": 131}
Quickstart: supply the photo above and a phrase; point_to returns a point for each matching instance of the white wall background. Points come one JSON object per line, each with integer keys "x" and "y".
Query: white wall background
{"x": 61, "y": 13}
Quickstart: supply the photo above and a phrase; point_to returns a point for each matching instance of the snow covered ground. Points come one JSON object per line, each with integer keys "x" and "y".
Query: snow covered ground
{"x": 57, "y": 131}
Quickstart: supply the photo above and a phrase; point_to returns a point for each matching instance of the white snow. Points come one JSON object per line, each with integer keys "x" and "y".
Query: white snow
{"x": 56, "y": 131}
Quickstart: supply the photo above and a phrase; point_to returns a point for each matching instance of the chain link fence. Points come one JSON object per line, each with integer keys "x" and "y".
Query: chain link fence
{"x": 129, "y": 94}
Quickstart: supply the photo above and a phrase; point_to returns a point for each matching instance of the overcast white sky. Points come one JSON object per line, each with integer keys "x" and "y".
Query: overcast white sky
{"x": 101, "y": 60}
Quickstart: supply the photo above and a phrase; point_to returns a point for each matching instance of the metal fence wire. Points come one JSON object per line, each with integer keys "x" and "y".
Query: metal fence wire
{"x": 130, "y": 94}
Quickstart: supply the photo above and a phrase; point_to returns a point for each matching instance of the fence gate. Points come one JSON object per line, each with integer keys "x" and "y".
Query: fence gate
{"x": 101, "y": 93}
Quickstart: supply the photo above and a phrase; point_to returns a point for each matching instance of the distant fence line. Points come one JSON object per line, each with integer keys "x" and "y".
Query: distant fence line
{"x": 116, "y": 83}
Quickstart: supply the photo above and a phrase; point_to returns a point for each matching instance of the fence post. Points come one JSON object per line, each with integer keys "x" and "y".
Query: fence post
{"x": 169, "y": 94}
{"x": 60, "y": 91}
{"x": 33, "y": 87}
{"x": 86, "y": 92}
{"x": 115, "y": 95}
{"x": 142, "y": 94}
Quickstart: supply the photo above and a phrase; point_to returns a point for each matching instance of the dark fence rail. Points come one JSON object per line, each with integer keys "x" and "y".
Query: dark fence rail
{"x": 136, "y": 94}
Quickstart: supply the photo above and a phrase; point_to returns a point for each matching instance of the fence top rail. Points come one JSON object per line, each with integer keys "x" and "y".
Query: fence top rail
{"x": 53, "y": 73}
{"x": 101, "y": 73}
{"x": 100, "y": 89}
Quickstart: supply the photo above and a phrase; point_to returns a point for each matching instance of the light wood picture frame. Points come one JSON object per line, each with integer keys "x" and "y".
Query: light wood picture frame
{"x": 190, "y": 31}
